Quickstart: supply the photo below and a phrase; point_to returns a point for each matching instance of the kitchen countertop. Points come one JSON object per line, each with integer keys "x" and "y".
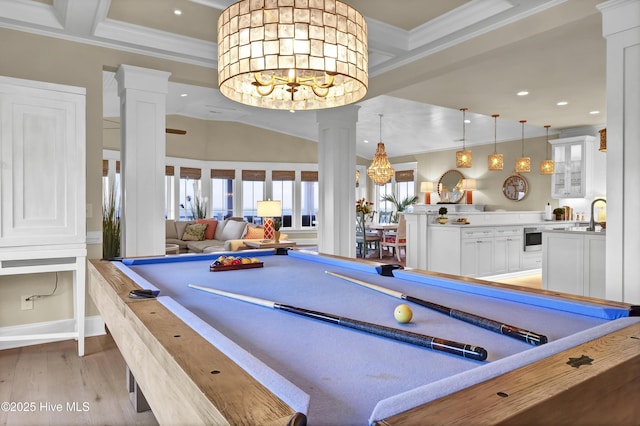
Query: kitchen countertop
{"x": 546, "y": 224}
{"x": 578, "y": 230}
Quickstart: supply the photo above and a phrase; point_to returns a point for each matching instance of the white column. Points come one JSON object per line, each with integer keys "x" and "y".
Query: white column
{"x": 337, "y": 180}
{"x": 621, "y": 28}
{"x": 142, "y": 154}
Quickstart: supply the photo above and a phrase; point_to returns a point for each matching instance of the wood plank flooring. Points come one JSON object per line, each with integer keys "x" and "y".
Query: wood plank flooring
{"x": 50, "y": 385}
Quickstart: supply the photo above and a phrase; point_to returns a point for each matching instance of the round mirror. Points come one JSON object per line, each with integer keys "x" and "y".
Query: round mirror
{"x": 450, "y": 186}
{"x": 515, "y": 187}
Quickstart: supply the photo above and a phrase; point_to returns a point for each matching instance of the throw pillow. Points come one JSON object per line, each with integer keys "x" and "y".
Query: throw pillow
{"x": 254, "y": 233}
{"x": 212, "y": 224}
{"x": 233, "y": 230}
{"x": 194, "y": 232}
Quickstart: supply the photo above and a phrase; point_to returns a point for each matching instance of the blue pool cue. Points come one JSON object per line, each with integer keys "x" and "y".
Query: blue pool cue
{"x": 462, "y": 349}
{"x": 486, "y": 323}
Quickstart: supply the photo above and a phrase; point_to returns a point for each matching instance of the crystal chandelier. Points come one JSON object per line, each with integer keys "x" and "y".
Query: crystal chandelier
{"x": 523, "y": 164}
{"x": 380, "y": 170}
{"x": 463, "y": 158}
{"x": 546, "y": 166}
{"x": 495, "y": 160}
{"x": 288, "y": 55}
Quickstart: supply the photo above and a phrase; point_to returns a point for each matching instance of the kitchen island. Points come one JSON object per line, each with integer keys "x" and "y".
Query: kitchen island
{"x": 573, "y": 261}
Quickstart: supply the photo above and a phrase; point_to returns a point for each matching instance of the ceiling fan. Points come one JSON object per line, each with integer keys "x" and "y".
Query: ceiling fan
{"x": 167, "y": 130}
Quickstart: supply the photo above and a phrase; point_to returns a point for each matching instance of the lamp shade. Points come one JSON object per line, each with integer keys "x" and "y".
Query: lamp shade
{"x": 292, "y": 55}
{"x": 469, "y": 184}
{"x": 426, "y": 186}
{"x": 269, "y": 208}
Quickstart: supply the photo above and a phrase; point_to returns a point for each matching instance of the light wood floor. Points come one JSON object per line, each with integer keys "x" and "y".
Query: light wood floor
{"x": 532, "y": 281}
{"x": 53, "y": 374}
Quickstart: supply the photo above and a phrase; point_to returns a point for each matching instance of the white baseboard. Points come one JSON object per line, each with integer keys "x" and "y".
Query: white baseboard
{"x": 17, "y": 336}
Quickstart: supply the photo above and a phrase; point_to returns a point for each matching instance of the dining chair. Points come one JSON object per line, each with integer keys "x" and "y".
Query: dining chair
{"x": 366, "y": 240}
{"x": 396, "y": 240}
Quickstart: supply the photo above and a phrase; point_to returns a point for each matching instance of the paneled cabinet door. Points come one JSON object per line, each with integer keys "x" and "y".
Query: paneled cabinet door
{"x": 42, "y": 152}
{"x": 571, "y": 175}
{"x": 477, "y": 257}
{"x": 506, "y": 254}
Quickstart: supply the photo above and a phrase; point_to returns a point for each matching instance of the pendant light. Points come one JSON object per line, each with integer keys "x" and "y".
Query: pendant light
{"x": 547, "y": 166}
{"x": 495, "y": 160}
{"x": 287, "y": 55}
{"x": 523, "y": 164}
{"x": 603, "y": 140}
{"x": 380, "y": 170}
{"x": 463, "y": 158}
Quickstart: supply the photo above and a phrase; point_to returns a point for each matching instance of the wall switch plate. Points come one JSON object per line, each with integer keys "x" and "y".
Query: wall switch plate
{"x": 26, "y": 304}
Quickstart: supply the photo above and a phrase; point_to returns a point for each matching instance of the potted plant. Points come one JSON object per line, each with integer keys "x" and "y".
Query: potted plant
{"x": 400, "y": 205}
{"x": 442, "y": 211}
{"x": 110, "y": 226}
{"x": 277, "y": 223}
{"x": 559, "y": 212}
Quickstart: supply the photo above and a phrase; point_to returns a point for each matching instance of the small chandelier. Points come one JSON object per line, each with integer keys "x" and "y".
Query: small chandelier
{"x": 495, "y": 160}
{"x": 547, "y": 166}
{"x": 463, "y": 158}
{"x": 523, "y": 164}
{"x": 292, "y": 56}
{"x": 380, "y": 170}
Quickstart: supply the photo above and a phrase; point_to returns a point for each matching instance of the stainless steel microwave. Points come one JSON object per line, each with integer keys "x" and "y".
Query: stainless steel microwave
{"x": 532, "y": 239}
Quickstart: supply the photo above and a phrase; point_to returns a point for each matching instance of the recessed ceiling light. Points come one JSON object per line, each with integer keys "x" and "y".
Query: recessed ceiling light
{"x": 177, "y": 12}
{"x": 562, "y": 103}
{"x": 594, "y": 112}
{"x": 522, "y": 93}
{"x": 365, "y": 141}
{"x": 184, "y": 94}
{"x": 467, "y": 121}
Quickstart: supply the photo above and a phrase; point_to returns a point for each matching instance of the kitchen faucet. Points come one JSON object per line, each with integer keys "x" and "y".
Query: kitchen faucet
{"x": 592, "y": 222}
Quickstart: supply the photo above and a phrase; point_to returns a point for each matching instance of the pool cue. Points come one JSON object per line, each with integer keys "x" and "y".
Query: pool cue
{"x": 449, "y": 346}
{"x": 487, "y": 323}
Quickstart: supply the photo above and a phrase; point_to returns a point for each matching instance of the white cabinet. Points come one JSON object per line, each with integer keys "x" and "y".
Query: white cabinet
{"x": 42, "y": 187}
{"x": 507, "y": 248}
{"x": 477, "y": 252}
{"x": 573, "y": 167}
{"x": 574, "y": 262}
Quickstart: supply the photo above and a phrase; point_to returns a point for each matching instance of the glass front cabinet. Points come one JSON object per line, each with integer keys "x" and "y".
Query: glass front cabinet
{"x": 572, "y": 156}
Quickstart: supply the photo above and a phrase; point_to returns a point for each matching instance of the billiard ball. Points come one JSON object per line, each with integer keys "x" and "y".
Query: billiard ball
{"x": 403, "y": 314}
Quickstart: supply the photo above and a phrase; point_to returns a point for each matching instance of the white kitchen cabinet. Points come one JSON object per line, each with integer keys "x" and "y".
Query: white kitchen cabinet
{"x": 42, "y": 188}
{"x": 477, "y": 252}
{"x": 507, "y": 248}
{"x": 574, "y": 262}
{"x": 573, "y": 167}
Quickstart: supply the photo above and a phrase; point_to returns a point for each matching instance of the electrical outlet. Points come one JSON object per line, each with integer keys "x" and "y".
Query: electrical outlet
{"x": 26, "y": 304}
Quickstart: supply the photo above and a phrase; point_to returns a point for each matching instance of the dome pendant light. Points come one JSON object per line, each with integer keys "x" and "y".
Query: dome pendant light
{"x": 523, "y": 164}
{"x": 495, "y": 160}
{"x": 463, "y": 158}
{"x": 380, "y": 170}
{"x": 547, "y": 166}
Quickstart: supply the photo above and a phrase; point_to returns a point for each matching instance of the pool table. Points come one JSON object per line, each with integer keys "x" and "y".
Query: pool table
{"x": 202, "y": 358}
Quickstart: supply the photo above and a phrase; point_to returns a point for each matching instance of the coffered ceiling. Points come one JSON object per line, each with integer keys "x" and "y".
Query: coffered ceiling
{"x": 427, "y": 59}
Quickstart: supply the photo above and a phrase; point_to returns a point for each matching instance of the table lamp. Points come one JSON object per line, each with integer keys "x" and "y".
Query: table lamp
{"x": 268, "y": 210}
{"x": 469, "y": 185}
{"x": 427, "y": 188}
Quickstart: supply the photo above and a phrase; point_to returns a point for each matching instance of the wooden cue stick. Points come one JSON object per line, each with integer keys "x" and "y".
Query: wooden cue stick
{"x": 487, "y": 323}
{"x": 449, "y": 346}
